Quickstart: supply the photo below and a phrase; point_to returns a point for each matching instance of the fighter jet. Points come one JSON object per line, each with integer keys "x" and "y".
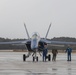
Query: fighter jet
{"x": 35, "y": 44}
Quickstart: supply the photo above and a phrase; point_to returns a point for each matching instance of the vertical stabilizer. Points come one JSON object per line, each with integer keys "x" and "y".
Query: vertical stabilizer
{"x": 47, "y": 31}
{"x": 26, "y": 31}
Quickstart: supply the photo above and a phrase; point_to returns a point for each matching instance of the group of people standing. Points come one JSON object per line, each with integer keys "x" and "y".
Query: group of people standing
{"x": 55, "y": 52}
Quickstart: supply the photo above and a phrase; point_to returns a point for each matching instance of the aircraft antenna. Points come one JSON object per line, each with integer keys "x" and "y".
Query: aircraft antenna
{"x": 47, "y": 31}
{"x": 26, "y": 31}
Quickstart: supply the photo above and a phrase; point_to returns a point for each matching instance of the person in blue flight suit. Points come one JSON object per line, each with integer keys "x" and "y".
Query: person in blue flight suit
{"x": 69, "y": 50}
{"x": 45, "y": 51}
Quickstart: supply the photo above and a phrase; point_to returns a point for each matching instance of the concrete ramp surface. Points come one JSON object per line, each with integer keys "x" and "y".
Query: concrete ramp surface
{"x": 11, "y": 63}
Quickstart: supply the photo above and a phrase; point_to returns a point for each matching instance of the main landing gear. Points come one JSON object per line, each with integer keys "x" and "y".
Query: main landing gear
{"x": 48, "y": 57}
{"x": 24, "y": 57}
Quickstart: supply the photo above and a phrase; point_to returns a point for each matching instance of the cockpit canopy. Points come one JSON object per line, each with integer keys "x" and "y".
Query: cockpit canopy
{"x": 35, "y": 40}
{"x": 35, "y": 36}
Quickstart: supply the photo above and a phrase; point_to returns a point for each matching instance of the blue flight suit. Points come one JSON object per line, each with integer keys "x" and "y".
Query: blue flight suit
{"x": 69, "y": 50}
{"x": 45, "y": 51}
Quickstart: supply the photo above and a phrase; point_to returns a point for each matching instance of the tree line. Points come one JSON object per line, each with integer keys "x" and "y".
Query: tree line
{"x": 16, "y": 46}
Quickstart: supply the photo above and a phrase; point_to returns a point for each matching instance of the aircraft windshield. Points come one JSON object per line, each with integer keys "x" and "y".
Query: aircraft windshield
{"x": 35, "y": 36}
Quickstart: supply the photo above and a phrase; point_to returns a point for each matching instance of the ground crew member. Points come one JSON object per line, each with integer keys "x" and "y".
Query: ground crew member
{"x": 54, "y": 52}
{"x": 69, "y": 50}
{"x": 45, "y": 51}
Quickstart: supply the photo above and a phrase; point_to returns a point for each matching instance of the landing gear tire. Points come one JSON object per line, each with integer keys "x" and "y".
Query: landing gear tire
{"x": 49, "y": 57}
{"x": 24, "y": 57}
{"x": 33, "y": 59}
{"x": 37, "y": 59}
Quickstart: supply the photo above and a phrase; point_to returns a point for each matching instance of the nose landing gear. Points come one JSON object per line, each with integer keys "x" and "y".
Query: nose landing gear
{"x": 35, "y": 58}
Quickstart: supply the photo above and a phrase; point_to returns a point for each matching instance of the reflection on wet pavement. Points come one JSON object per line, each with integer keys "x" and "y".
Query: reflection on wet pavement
{"x": 11, "y": 64}
{"x": 53, "y": 71}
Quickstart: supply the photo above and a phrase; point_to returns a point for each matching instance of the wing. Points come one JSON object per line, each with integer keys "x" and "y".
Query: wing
{"x": 15, "y": 42}
{"x": 58, "y": 42}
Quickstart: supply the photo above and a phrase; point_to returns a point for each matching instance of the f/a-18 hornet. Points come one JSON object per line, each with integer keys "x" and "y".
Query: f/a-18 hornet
{"x": 35, "y": 44}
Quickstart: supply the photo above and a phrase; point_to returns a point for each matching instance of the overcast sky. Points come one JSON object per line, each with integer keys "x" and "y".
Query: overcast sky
{"x": 37, "y": 15}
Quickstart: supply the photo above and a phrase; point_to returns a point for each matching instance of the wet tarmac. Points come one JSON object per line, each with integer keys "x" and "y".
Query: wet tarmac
{"x": 11, "y": 63}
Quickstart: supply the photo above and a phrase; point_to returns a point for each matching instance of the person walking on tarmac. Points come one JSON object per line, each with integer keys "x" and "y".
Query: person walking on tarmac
{"x": 68, "y": 50}
{"x": 54, "y": 52}
{"x": 45, "y": 51}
